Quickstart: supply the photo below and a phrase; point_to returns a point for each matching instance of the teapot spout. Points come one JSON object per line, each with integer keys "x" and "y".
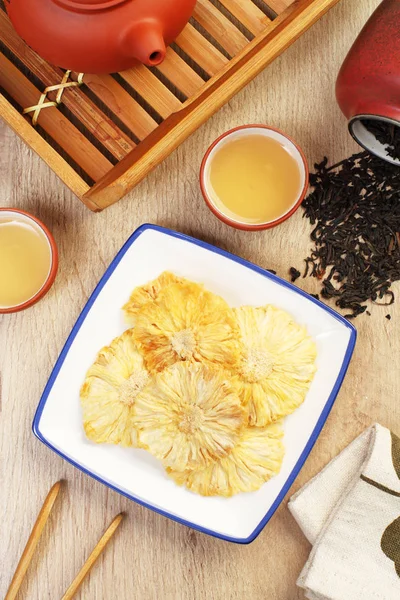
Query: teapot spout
{"x": 145, "y": 42}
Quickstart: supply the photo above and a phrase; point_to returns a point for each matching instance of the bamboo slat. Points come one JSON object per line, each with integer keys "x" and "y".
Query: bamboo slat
{"x": 121, "y": 103}
{"x": 54, "y": 122}
{"x": 221, "y": 29}
{"x": 279, "y": 6}
{"x": 179, "y": 72}
{"x": 248, "y": 14}
{"x": 251, "y": 48}
{"x": 200, "y": 50}
{"x": 152, "y": 90}
{"x": 103, "y": 128}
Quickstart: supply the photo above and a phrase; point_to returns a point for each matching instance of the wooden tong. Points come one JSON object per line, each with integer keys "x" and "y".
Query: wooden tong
{"x": 34, "y": 539}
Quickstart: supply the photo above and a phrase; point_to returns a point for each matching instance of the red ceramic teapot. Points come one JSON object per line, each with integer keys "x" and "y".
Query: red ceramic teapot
{"x": 99, "y": 36}
{"x": 368, "y": 85}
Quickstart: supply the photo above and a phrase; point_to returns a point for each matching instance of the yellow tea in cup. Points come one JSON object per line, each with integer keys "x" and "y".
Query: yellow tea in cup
{"x": 253, "y": 176}
{"x": 25, "y": 259}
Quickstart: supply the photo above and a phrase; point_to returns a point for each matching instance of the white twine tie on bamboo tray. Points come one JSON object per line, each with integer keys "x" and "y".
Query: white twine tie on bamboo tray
{"x": 59, "y": 87}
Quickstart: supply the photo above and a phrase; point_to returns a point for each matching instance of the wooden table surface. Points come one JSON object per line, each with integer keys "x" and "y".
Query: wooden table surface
{"x": 152, "y": 558}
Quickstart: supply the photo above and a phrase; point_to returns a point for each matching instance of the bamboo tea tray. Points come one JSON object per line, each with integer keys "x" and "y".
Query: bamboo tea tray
{"x": 104, "y": 135}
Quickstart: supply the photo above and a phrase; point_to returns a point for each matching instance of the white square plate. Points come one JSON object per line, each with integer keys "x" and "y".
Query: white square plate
{"x": 135, "y": 473}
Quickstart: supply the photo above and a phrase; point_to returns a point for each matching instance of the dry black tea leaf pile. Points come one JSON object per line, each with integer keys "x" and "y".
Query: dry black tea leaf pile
{"x": 386, "y": 133}
{"x": 354, "y": 207}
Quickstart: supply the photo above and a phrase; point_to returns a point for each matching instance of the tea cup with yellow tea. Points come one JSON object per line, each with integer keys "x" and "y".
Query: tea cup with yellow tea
{"x": 28, "y": 260}
{"x": 254, "y": 177}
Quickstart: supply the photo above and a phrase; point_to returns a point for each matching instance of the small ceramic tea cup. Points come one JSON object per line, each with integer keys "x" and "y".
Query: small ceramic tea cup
{"x": 20, "y": 216}
{"x": 247, "y": 130}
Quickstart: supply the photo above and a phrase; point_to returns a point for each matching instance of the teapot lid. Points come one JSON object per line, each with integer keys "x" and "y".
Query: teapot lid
{"x": 89, "y": 4}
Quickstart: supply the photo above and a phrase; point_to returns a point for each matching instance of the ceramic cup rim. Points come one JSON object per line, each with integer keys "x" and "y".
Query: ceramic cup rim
{"x": 353, "y": 121}
{"x": 241, "y": 224}
{"x": 53, "y": 267}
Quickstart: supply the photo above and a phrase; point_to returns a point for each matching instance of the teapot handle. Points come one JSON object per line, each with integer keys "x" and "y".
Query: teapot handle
{"x": 145, "y": 42}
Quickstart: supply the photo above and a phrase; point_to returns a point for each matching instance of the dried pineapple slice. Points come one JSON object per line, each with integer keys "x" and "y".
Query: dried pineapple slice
{"x": 190, "y": 416}
{"x": 255, "y": 459}
{"x": 187, "y": 323}
{"x": 147, "y": 293}
{"x": 113, "y": 383}
{"x": 277, "y": 363}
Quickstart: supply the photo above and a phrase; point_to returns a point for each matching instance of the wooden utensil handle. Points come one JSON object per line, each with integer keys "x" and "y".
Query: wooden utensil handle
{"x": 32, "y": 542}
{"x": 98, "y": 549}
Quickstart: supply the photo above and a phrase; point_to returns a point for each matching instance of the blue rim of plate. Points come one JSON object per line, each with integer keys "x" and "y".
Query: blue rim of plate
{"x": 313, "y": 437}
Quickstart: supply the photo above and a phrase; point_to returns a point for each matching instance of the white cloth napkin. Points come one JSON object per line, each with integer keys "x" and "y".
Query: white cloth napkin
{"x": 350, "y": 512}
